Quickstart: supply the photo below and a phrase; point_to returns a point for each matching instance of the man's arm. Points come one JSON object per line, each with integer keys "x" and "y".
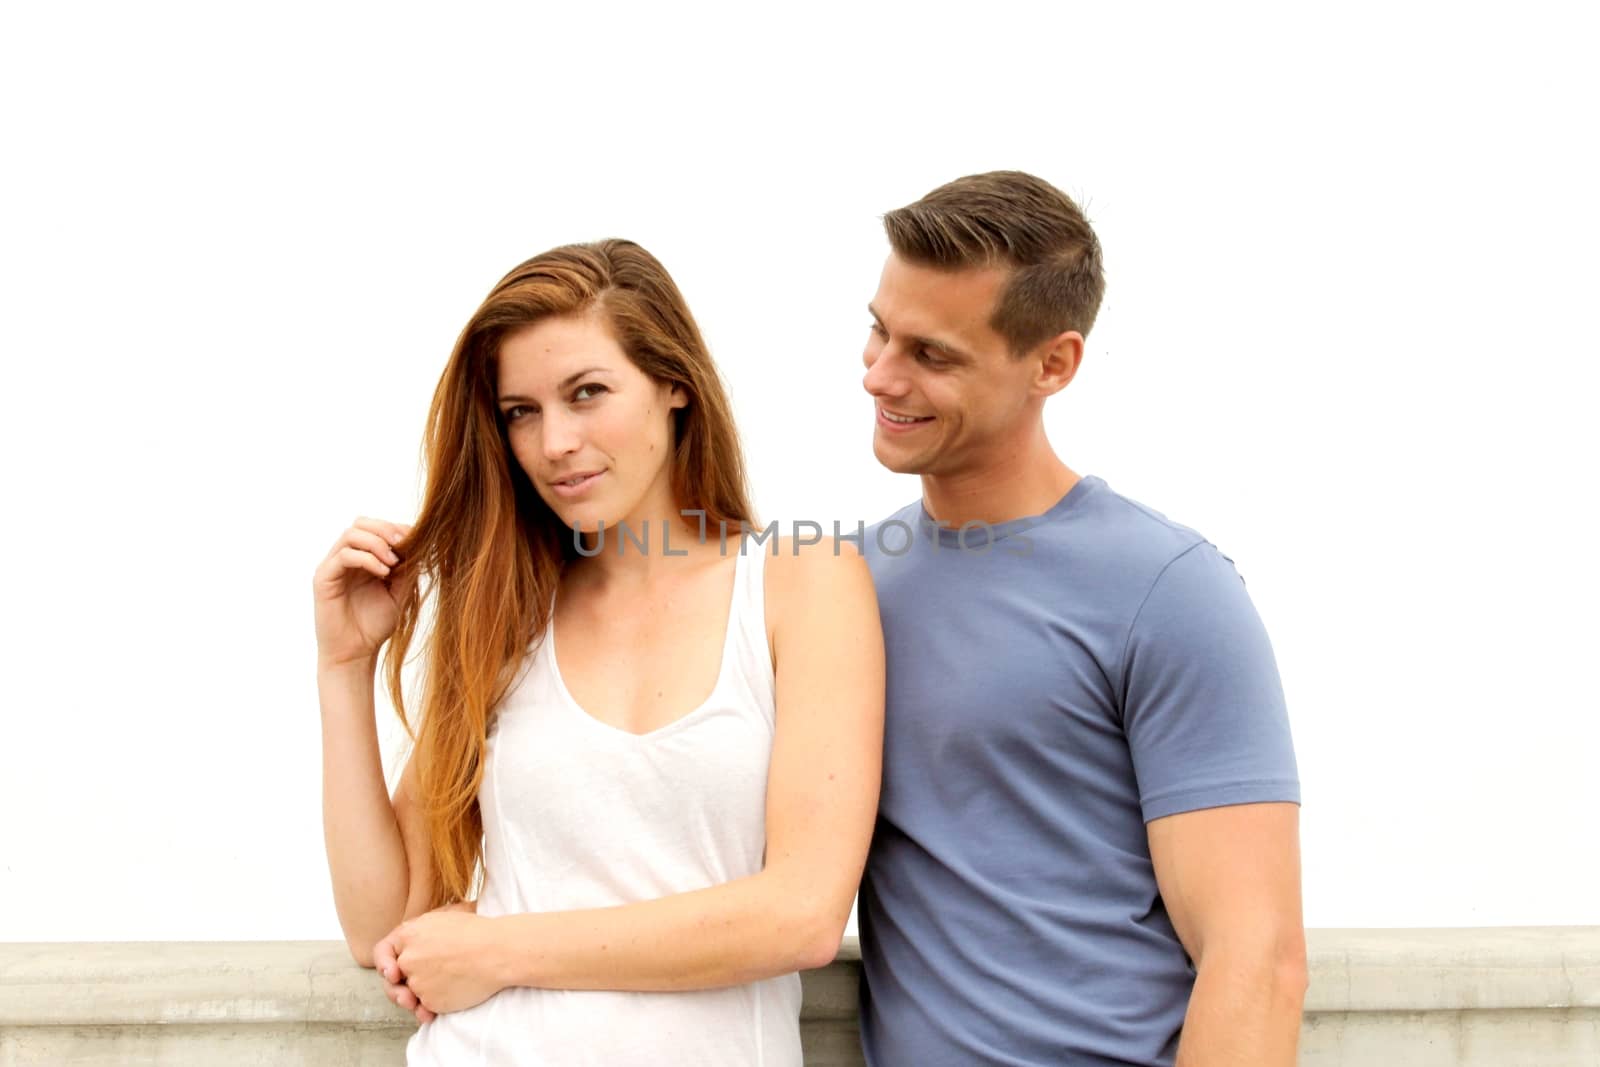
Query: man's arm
{"x": 1208, "y": 732}
{"x": 1230, "y": 878}
{"x": 822, "y": 798}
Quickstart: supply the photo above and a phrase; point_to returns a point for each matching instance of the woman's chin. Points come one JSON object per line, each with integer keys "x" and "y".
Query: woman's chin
{"x": 586, "y": 517}
{"x": 586, "y": 521}
{"x": 573, "y": 515}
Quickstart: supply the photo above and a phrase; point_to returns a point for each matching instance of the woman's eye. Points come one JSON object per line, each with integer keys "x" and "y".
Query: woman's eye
{"x": 511, "y": 412}
{"x": 577, "y": 394}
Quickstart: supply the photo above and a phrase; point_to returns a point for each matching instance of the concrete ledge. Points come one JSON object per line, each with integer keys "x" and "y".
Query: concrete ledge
{"x": 1464, "y": 969}
{"x": 1525, "y": 995}
{"x": 128, "y": 983}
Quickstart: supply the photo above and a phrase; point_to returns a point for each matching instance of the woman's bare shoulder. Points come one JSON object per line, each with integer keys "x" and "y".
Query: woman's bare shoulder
{"x": 808, "y": 582}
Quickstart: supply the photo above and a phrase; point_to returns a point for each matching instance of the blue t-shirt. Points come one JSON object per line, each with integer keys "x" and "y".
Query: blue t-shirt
{"x": 1054, "y": 683}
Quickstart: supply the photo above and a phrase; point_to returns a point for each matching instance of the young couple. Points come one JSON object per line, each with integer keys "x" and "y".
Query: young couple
{"x": 667, "y": 766}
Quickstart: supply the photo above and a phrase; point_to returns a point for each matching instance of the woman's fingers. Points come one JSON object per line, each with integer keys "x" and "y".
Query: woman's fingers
{"x": 402, "y": 996}
{"x": 353, "y": 559}
{"x": 372, "y": 542}
{"x": 377, "y": 536}
{"x": 389, "y": 531}
{"x": 376, "y": 543}
{"x": 387, "y": 964}
{"x": 405, "y": 998}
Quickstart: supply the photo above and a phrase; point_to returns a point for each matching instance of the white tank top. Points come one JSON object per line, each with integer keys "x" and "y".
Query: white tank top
{"x": 579, "y": 814}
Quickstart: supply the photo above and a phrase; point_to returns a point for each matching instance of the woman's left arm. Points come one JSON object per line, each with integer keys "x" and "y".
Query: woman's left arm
{"x": 822, "y": 800}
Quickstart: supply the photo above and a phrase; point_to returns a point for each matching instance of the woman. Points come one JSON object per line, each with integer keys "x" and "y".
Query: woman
{"x": 662, "y": 749}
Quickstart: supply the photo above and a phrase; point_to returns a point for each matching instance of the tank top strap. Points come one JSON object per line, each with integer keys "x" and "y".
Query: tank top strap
{"x": 752, "y": 663}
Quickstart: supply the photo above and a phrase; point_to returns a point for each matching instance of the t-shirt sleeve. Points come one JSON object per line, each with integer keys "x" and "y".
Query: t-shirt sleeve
{"x": 1203, "y": 706}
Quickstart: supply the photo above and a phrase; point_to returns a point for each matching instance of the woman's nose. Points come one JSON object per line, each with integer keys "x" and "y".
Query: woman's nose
{"x": 560, "y": 436}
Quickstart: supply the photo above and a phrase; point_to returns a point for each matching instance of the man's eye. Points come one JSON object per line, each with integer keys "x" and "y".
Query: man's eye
{"x": 928, "y": 355}
{"x": 878, "y": 329}
{"x": 577, "y": 394}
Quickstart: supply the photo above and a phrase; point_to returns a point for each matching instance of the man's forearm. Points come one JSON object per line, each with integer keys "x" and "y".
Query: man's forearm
{"x": 1244, "y": 1012}
{"x": 729, "y": 934}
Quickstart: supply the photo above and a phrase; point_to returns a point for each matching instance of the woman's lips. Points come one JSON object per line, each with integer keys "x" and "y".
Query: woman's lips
{"x": 567, "y": 490}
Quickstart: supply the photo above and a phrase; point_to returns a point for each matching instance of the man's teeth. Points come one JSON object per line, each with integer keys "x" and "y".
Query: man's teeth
{"x": 902, "y": 418}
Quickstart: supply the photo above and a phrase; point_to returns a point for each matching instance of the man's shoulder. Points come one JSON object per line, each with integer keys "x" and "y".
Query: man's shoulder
{"x": 1121, "y": 526}
{"x": 1113, "y": 535}
{"x": 1122, "y": 541}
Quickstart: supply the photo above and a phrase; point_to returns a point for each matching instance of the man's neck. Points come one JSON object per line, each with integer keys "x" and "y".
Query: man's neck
{"x": 1027, "y": 482}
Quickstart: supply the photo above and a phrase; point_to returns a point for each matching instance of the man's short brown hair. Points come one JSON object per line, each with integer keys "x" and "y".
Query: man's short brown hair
{"x": 1010, "y": 219}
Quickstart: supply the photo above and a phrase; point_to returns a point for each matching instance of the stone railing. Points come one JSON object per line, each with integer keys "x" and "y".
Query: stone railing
{"x": 1528, "y": 997}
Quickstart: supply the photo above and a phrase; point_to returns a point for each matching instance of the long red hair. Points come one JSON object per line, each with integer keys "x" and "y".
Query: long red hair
{"x": 489, "y": 548}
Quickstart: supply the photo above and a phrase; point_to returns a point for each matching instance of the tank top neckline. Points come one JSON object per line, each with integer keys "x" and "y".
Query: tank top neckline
{"x": 730, "y": 635}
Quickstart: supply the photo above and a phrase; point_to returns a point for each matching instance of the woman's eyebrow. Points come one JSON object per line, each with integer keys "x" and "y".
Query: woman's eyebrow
{"x": 568, "y": 380}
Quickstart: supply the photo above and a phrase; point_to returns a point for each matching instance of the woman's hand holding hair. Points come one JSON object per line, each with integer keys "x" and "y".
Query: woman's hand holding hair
{"x": 360, "y": 589}
{"x": 357, "y": 606}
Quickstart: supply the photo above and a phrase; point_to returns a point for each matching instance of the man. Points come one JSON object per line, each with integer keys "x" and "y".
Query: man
{"x": 1087, "y": 847}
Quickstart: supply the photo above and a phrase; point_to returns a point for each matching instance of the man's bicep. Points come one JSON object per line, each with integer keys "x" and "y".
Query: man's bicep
{"x": 1231, "y": 875}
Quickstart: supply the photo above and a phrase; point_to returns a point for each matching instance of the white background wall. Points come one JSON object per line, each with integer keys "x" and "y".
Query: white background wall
{"x": 1349, "y": 335}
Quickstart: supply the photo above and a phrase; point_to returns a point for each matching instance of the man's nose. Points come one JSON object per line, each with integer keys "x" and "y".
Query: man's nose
{"x": 883, "y": 377}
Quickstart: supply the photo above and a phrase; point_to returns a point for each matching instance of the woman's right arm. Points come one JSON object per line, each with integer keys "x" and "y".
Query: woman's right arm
{"x": 377, "y": 846}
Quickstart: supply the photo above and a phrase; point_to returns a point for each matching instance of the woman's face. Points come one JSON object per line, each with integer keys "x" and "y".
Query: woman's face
{"x": 591, "y": 430}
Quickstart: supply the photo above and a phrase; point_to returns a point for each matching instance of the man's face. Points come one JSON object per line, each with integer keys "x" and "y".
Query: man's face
{"x": 932, "y": 358}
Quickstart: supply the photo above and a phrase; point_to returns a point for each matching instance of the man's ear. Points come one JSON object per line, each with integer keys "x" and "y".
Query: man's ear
{"x": 1059, "y": 359}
